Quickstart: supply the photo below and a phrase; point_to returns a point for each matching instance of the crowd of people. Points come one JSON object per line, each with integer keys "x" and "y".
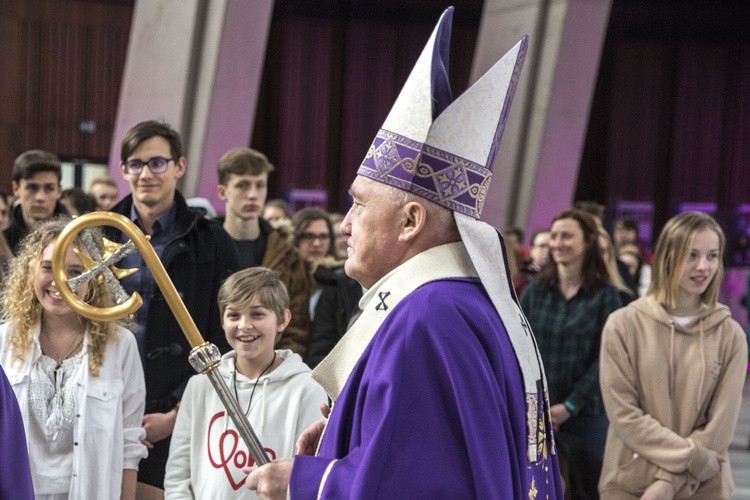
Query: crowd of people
{"x": 427, "y": 381}
{"x": 45, "y": 344}
{"x": 269, "y": 288}
{"x": 607, "y": 346}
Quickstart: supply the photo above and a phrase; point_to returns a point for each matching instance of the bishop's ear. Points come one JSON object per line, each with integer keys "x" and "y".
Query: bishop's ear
{"x": 415, "y": 217}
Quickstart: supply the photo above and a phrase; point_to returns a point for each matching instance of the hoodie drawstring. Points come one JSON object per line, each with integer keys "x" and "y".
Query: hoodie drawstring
{"x": 265, "y": 381}
{"x": 671, "y": 359}
{"x": 703, "y": 367}
{"x": 263, "y": 407}
{"x": 703, "y": 362}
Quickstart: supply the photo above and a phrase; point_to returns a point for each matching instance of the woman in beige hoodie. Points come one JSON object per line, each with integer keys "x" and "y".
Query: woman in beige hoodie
{"x": 673, "y": 365}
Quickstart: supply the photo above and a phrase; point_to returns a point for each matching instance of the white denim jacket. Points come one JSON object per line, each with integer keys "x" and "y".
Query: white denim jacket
{"x": 109, "y": 411}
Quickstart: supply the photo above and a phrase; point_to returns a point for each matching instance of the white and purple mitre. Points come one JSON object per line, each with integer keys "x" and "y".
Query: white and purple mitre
{"x": 438, "y": 148}
{"x": 443, "y": 150}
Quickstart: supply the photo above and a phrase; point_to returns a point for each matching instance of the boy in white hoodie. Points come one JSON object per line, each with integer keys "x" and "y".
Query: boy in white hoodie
{"x": 273, "y": 387}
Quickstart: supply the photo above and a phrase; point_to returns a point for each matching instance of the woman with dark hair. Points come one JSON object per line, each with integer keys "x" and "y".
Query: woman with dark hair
{"x": 566, "y": 309}
{"x": 673, "y": 365}
{"x": 313, "y": 234}
{"x": 335, "y": 298}
{"x": 313, "y": 238}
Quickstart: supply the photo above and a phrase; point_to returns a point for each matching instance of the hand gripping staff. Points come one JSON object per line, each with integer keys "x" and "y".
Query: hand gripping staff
{"x": 204, "y": 357}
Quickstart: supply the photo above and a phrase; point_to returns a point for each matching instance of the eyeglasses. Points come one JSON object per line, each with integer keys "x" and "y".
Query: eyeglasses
{"x": 157, "y": 165}
{"x": 310, "y": 237}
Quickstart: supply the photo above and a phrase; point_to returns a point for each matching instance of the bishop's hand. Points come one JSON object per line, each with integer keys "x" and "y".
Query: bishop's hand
{"x": 308, "y": 441}
{"x": 270, "y": 481}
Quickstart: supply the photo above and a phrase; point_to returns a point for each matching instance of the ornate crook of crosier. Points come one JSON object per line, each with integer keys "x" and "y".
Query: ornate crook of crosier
{"x": 204, "y": 357}
{"x": 128, "y": 307}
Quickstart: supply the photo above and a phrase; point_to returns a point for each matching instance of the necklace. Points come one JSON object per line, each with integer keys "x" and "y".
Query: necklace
{"x": 74, "y": 347}
{"x": 234, "y": 383}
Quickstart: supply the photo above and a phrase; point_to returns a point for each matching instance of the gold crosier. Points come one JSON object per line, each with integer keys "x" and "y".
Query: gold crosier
{"x": 204, "y": 357}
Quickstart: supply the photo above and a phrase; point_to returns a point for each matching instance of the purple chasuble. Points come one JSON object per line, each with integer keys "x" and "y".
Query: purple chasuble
{"x": 434, "y": 408}
{"x": 15, "y": 475}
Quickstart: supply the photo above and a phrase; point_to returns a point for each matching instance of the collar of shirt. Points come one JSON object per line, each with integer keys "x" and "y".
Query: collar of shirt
{"x": 142, "y": 280}
{"x": 582, "y": 290}
{"x": 162, "y": 224}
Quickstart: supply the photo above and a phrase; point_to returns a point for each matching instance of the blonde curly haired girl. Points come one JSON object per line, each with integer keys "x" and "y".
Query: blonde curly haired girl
{"x": 22, "y": 307}
{"x": 71, "y": 374}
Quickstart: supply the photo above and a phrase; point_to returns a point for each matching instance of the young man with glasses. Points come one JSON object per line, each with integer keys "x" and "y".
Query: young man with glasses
{"x": 243, "y": 186}
{"x": 36, "y": 184}
{"x": 197, "y": 254}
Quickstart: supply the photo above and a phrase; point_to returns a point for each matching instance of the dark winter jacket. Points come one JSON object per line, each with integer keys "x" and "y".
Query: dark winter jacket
{"x": 17, "y": 229}
{"x": 338, "y": 303}
{"x": 198, "y": 257}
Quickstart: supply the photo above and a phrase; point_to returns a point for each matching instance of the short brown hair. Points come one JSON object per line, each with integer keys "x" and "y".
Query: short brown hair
{"x": 672, "y": 250}
{"x": 242, "y": 161}
{"x": 31, "y": 162}
{"x": 626, "y": 222}
{"x": 81, "y": 201}
{"x": 281, "y": 205}
{"x": 254, "y": 282}
{"x": 107, "y": 181}
{"x": 145, "y": 131}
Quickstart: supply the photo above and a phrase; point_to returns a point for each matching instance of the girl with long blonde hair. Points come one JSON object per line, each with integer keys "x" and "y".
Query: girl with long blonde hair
{"x": 673, "y": 365}
{"x": 79, "y": 382}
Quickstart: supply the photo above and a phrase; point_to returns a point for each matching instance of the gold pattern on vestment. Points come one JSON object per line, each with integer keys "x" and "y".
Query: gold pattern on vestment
{"x": 533, "y": 492}
{"x": 532, "y": 421}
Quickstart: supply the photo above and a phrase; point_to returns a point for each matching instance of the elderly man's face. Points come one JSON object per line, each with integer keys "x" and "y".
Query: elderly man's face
{"x": 372, "y": 227}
